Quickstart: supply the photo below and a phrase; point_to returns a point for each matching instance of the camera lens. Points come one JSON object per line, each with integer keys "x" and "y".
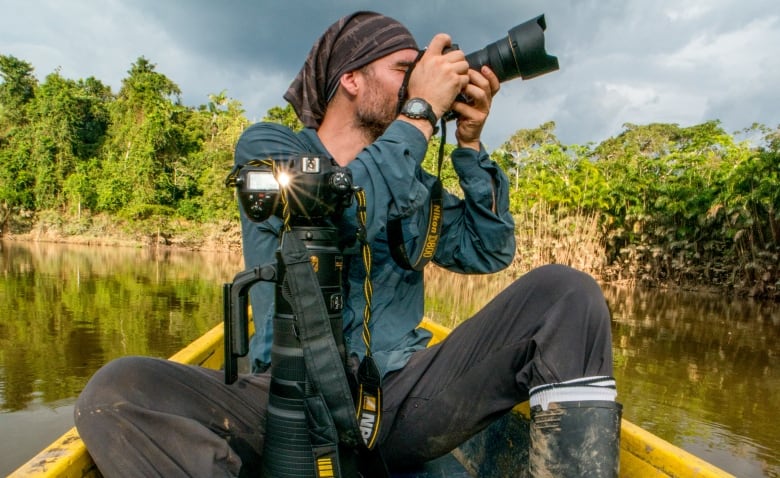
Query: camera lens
{"x": 520, "y": 53}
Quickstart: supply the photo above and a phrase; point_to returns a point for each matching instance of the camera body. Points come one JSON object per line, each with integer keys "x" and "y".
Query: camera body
{"x": 316, "y": 188}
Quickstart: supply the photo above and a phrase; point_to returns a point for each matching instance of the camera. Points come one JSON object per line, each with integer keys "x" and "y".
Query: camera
{"x": 521, "y": 53}
{"x": 308, "y": 192}
{"x": 316, "y": 188}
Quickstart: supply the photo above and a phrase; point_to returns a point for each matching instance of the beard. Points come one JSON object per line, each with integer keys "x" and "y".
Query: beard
{"x": 373, "y": 126}
{"x": 376, "y": 114}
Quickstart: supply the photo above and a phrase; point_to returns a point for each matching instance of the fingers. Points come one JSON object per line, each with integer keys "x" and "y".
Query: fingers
{"x": 481, "y": 89}
{"x": 438, "y": 43}
{"x": 455, "y": 59}
{"x": 438, "y": 77}
{"x": 472, "y": 115}
{"x": 492, "y": 79}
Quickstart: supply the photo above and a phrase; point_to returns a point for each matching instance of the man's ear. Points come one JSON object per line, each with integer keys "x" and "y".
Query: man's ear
{"x": 350, "y": 82}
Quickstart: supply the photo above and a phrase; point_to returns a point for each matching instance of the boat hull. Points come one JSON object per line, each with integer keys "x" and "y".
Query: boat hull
{"x": 499, "y": 451}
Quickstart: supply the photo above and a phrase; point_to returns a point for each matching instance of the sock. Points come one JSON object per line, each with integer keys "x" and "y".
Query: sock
{"x": 576, "y": 390}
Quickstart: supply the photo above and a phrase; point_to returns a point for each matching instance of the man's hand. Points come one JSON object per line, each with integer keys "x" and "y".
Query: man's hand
{"x": 438, "y": 77}
{"x": 482, "y": 86}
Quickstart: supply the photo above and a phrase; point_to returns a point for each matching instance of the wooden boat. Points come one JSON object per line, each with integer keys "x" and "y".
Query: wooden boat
{"x": 499, "y": 451}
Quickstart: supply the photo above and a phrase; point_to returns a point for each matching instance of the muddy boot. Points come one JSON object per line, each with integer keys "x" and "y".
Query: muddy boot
{"x": 575, "y": 440}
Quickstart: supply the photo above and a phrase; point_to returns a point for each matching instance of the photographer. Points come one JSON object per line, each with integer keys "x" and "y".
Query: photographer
{"x": 547, "y": 336}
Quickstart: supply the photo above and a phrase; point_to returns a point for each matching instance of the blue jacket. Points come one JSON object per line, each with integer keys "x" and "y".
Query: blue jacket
{"x": 473, "y": 239}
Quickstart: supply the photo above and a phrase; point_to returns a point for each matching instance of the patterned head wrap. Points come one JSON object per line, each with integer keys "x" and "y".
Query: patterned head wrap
{"x": 351, "y": 43}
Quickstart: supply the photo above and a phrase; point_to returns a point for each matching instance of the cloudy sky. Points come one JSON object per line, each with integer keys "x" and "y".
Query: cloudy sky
{"x": 622, "y": 61}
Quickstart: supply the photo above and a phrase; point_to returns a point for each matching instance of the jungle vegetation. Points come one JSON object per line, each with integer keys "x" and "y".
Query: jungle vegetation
{"x": 658, "y": 204}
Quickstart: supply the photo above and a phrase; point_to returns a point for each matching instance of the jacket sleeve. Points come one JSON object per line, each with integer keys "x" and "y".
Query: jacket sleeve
{"x": 388, "y": 171}
{"x": 478, "y": 230}
{"x": 478, "y": 234}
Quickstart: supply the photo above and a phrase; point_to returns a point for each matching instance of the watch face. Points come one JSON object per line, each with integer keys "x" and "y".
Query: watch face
{"x": 416, "y": 107}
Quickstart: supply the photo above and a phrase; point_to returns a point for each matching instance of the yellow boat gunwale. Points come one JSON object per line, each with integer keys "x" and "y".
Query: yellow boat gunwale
{"x": 642, "y": 454}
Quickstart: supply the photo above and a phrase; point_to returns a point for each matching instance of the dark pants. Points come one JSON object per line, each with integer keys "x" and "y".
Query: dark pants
{"x": 150, "y": 417}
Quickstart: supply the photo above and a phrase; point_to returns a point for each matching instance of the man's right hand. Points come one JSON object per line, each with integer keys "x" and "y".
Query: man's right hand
{"x": 438, "y": 77}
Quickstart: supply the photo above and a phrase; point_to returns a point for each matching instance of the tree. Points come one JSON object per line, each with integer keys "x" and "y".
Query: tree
{"x": 523, "y": 147}
{"x": 16, "y": 90}
{"x": 17, "y": 179}
{"x": 285, "y": 116}
{"x": 222, "y": 121}
{"x": 147, "y": 136}
{"x": 69, "y": 120}
{"x": 543, "y": 170}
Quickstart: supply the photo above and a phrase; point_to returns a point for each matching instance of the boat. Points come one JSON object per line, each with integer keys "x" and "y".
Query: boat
{"x": 501, "y": 450}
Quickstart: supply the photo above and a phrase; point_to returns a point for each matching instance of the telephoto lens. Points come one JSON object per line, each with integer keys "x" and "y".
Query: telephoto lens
{"x": 288, "y": 450}
{"x": 521, "y": 53}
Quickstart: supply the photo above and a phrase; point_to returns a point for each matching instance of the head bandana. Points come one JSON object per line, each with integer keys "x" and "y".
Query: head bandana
{"x": 352, "y": 42}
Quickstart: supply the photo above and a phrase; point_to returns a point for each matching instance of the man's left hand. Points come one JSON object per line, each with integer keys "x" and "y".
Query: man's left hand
{"x": 483, "y": 85}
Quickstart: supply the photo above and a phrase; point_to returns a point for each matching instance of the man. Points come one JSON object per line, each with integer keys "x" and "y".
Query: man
{"x": 546, "y": 337}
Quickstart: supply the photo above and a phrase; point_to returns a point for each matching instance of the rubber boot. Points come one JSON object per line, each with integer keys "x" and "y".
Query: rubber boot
{"x": 575, "y": 440}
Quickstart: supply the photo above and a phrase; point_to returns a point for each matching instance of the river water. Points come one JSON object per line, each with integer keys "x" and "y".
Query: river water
{"x": 701, "y": 371}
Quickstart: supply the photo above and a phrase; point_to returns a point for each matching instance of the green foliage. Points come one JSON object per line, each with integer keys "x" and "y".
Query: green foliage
{"x": 683, "y": 205}
{"x": 449, "y": 178}
{"x": 16, "y": 91}
{"x": 544, "y": 171}
{"x": 671, "y": 204}
{"x": 75, "y": 147}
{"x": 285, "y": 116}
{"x": 146, "y": 140}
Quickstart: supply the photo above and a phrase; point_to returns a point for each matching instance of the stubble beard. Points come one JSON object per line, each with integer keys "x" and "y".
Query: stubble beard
{"x": 377, "y": 114}
{"x": 372, "y": 126}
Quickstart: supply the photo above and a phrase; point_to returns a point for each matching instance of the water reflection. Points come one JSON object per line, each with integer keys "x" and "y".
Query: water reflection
{"x": 702, "y": 372}
{"x": 66, "y": 310}
{"x": 698, "y": 370}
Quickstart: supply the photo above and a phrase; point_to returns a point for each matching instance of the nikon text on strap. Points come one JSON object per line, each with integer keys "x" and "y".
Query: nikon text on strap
{"x": 395, "y": 235}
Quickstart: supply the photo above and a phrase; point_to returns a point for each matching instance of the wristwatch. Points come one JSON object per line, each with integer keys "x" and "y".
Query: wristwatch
{"x": 418, "y": 108}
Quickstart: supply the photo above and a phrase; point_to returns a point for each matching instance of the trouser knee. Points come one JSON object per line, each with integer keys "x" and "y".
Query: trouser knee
{"x": 111, "y": 383}
{"x": 571, "y": 335}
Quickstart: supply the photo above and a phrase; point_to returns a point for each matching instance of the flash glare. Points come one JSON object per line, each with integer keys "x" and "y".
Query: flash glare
{"x": 283, "y": 179}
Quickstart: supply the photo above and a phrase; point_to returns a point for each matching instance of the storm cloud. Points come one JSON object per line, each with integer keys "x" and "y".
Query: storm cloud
{"x": 621, "y": 61}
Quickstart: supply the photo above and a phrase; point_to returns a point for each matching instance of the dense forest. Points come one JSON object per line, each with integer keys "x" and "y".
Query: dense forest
{"x": 658, "y": 204}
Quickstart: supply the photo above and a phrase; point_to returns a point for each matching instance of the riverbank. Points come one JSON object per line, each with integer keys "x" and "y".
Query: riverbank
{"x": 110, "y": 231}
{"x": 573, "y": 241}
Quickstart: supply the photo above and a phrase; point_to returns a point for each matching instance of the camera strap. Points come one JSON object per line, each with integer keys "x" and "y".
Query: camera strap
{"x": 369, "y": 396}
{"x": 324, "y": 363}
{"x": 395, "y": 234}
{"x": 330, "y": 410}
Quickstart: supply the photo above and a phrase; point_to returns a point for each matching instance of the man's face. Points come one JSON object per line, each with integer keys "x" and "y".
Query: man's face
{"x": 378, "y": 99}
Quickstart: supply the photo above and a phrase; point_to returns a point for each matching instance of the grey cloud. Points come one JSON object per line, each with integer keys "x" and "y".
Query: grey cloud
{"x": 621, "y": 60}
